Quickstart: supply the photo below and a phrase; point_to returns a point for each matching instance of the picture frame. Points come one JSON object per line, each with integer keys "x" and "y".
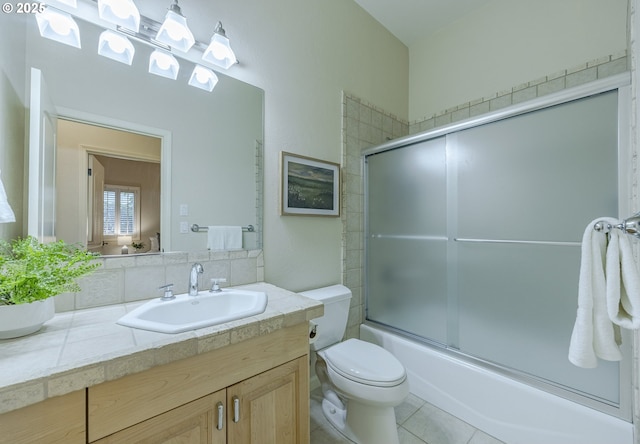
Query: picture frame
{"x": 308, "y": 186}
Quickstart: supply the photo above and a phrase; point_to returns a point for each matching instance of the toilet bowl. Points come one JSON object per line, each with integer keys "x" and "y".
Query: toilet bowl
{"x": 361, "y": 385}
{"x": 361, "y": 382}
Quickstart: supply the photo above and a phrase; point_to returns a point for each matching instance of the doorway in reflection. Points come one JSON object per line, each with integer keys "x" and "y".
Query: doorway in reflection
{"x": 108, "y": 188}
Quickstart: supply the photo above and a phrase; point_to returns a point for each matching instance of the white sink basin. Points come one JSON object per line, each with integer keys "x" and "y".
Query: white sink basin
{"x": 191, "y": 312}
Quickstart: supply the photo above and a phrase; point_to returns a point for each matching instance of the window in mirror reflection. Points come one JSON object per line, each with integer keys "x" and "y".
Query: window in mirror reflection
{"x": 121, "y": 215}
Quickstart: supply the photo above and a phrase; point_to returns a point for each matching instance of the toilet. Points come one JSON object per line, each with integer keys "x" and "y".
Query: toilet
{"x": 361, "y": 382}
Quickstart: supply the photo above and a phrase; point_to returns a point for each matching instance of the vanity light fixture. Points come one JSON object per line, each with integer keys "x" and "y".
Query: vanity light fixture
{"x": 59, "y": 26}
{"x": 174, "y": 30}
{"x": 203, "y": 78}
{"x": 164, "y": 38}
{"x": 219, "y": 51}
{"x": 120, "y": 12}
{"x": 116, "y": 47}
{"x": 163, "y": 64}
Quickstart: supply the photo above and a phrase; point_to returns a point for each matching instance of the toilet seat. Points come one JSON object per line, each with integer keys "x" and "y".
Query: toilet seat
{"x": 365, "y": 363}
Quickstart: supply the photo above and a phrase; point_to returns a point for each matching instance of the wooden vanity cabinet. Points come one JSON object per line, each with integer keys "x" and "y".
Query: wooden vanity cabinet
{"x": 264, "y": 409}
{"x": 59, "y": 420}
{"x": 262, "y": 385}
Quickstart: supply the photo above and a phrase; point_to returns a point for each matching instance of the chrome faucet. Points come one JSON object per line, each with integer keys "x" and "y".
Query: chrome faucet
{"x": 194, "y": 276}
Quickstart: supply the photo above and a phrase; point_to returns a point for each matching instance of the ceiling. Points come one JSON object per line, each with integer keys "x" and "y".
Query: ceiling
{"x": 413, "y": 20}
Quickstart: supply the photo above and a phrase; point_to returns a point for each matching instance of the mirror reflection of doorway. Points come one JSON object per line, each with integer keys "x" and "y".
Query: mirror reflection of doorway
{"x": 108, "y": 188}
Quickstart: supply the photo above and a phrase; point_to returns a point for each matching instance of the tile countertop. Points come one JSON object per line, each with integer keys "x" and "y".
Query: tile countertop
{"x": 82, "y": 348}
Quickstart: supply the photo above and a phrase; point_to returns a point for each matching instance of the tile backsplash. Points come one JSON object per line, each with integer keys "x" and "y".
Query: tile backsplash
{"x": 130, "y": 278}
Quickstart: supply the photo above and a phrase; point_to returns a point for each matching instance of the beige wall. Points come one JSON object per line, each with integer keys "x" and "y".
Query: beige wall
{"x": 506, "y": 43}
{"x": 304, "y": 54}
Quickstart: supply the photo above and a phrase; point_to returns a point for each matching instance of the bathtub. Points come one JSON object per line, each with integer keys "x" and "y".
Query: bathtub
{"x": 511, "y": 411}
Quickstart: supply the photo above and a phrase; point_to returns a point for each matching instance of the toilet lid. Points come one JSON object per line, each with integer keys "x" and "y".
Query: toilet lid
{"x": 364, "y": 362}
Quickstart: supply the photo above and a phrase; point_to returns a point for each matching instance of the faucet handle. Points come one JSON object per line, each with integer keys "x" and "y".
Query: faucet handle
{"x": 215, "y": 284}
{"x": 168, "y": 292}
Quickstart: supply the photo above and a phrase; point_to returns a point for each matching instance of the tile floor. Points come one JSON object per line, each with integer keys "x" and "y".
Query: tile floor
{"x": 418, "y": 423}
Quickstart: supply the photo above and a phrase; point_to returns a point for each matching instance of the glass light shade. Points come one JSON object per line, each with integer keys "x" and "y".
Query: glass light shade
{"x": 120, "y": 12}
{"x": 175, "y": 32}
{"x": 203, "y": 78}
{"x": 163, "y": 64}
{"x": 219, "y": 51}
{"x": 116, "y": 47}
{"x": 59, "y": 26}
{"x": 71, "y": 3}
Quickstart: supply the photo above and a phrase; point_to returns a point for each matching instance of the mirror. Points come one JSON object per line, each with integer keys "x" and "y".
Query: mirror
{"x": 98, "y": 165}
{"x": 210, "y": 142}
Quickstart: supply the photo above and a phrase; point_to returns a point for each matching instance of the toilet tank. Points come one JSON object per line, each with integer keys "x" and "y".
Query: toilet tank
{"x": 331, "y": 326}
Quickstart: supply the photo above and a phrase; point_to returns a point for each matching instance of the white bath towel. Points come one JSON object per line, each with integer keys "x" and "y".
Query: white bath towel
{"x": 623, "y": 282}
{"x": 594, "y": 335}
{"x": 222, "y": 237}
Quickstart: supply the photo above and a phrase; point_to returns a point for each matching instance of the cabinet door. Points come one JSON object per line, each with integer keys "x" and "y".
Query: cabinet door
{"x": 192, "y": 423}
{"x": 272, "y": 407}
{"x": 59, "y": 420}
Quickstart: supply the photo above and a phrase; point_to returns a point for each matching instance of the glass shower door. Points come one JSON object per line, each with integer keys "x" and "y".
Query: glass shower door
{"x": 527, "y": 187}
{"x": 473, "y": 238}
{"x": 407, "y": 239}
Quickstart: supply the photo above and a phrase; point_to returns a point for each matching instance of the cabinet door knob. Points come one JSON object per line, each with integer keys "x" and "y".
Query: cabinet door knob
{"x": 236, "y": 409}
{"x": 220, "y": 416}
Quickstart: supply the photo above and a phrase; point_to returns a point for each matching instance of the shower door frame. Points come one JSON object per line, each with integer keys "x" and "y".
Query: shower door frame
{"x": 626, "y": 182}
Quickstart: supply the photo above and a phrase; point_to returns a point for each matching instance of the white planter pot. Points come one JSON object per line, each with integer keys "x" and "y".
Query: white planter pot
{"x": 23, "y": 319}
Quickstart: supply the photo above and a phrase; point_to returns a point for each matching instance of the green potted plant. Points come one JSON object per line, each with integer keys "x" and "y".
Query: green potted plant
{"x": 31, "y": 273}
{"x": 137, "y": 246}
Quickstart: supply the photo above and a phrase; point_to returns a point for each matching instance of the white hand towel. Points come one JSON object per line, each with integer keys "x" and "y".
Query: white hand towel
{"x": 222, "y": 237}
{"x": 233, "y": 238}
{"x": 623, "y": 283}
{"x": 215, "y": 237}
{"x": 593, "y": 334}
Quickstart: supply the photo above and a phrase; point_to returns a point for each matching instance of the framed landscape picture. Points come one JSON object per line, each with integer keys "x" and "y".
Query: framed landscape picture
{"x": 309, "y": 187}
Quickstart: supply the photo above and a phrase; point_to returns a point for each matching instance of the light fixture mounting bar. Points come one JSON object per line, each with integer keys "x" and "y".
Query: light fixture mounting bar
{"x": 146, "y": 34}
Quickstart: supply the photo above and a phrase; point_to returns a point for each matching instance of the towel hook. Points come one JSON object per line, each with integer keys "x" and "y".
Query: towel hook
{"x": 631, "y": 226}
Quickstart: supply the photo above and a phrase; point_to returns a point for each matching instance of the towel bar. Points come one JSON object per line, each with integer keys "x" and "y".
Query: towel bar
{"x": 630, "y": 226}
{"x": 197, "y": 228}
